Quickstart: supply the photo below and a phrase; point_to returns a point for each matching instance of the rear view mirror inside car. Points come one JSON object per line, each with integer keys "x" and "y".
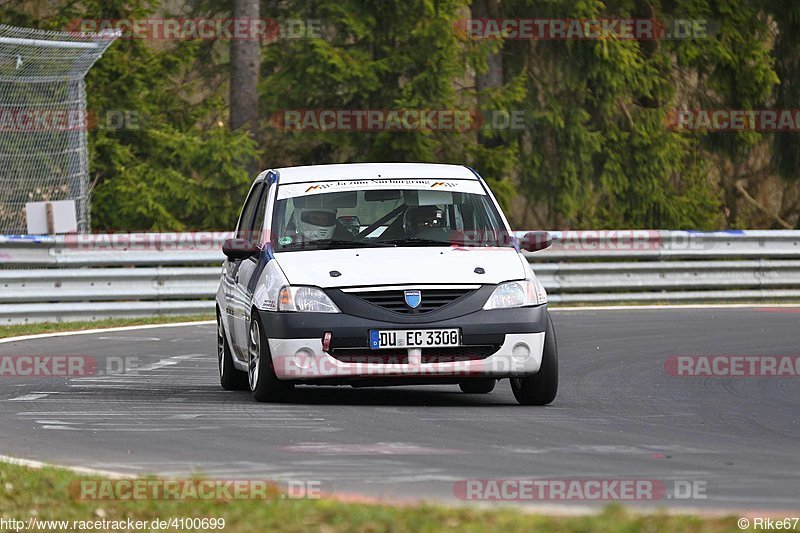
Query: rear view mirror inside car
{"x": 425, "y": 197}
{"x": 382, "y": 195}
{"x": 343, "y": 200}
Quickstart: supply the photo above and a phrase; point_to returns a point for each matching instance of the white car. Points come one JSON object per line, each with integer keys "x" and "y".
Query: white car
{"x": 381, "y": 274}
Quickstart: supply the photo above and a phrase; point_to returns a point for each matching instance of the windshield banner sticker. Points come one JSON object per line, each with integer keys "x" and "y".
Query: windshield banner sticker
{"x": 293, "y": 190}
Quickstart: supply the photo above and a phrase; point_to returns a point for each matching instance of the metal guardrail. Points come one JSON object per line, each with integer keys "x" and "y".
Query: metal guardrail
{"x": 133, "y": 275}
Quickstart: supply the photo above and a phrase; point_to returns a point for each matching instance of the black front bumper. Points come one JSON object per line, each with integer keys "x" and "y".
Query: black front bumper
{"x": 478, "y": 328}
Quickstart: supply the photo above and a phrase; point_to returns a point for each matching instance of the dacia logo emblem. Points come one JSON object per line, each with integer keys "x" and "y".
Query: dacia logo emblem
{"x": 413, "y": 298}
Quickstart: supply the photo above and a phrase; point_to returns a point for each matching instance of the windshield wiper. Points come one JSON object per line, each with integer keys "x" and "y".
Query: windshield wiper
{"x": 413, "y": 241}
{"x": 359, "y": 244}
{"x": 332, "y": 243}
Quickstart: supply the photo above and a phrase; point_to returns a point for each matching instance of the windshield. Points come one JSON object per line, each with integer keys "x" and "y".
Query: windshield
{"x": 305, "y": 218}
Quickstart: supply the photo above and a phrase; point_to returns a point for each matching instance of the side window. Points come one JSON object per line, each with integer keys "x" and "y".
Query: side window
{"x": 245, "y": 226}
{"x": 260, "y": 217}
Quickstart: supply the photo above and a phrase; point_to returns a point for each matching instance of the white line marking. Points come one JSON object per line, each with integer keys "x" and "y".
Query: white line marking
{"x": 133, "y": 339}
{"x": 38, "y": 465}
{"x": 28, "y": 397}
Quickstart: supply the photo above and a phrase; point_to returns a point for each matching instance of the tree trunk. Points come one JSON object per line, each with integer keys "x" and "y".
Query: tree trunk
{"x": 493, "y": 77}
{"x": 245, "y": 62}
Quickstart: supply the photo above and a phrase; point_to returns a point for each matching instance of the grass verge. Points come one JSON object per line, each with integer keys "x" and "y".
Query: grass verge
{"x": 49, "y": 494}
{"x": 58, "y": 327}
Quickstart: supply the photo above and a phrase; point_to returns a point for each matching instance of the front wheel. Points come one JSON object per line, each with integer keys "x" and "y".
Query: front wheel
{"x": 264, "y": 385}
{"x": 540, "y": 388}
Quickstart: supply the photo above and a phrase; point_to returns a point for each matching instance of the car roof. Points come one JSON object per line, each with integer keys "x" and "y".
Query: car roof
{"x": 388, "y": 171}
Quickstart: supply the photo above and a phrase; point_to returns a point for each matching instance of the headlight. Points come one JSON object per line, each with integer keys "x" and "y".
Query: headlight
{"x": 524, "y": 293}
{"x": 305, "y": 299}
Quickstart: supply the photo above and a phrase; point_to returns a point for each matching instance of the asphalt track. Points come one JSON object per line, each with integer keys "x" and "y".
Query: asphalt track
{"x": 619, "y": 416}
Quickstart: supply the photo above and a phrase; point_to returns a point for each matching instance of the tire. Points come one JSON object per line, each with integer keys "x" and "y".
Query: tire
{"x": 264, "y": 385}
{"x": 542, "y": 387}
{"x": 229, "y": 377}
{"x": 478, "y": 386}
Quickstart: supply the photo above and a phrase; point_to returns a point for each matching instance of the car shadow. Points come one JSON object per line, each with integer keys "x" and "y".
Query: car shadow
{"x": 441, "y": 396}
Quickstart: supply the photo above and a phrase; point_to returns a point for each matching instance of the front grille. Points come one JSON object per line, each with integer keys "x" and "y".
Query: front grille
{"x": 432, "y": 299}
{"x": 400, "y": 356}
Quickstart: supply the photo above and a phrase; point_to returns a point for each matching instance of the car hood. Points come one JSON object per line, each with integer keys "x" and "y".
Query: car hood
{"x": 401, "y": 266}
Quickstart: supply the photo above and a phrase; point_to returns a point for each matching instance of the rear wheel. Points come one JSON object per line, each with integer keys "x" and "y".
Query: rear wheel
{"x": 229, "y": 377}
{"x": 265, "y": 386}
{"x": 478, "y": 386}
{"x": 541, "y": 388}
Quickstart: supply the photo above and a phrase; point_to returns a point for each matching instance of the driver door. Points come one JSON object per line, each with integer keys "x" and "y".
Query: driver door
{"x": 241, "y": 269}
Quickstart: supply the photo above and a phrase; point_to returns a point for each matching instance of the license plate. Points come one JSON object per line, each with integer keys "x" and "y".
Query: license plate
{"x": 414, "y": 338}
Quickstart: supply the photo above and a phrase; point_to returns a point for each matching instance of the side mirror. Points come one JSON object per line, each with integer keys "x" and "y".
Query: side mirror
{"x": 239, "y": 249}
{"x": 536, "y": 241}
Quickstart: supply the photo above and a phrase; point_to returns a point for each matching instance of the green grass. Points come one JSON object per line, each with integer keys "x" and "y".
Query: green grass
{"x": 56, "y": 327}
{"x": 46, "y": 494}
